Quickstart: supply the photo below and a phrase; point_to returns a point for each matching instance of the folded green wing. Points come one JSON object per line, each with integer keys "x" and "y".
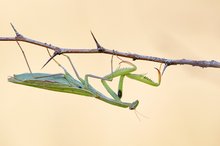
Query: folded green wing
{"x": 50, "y": 82}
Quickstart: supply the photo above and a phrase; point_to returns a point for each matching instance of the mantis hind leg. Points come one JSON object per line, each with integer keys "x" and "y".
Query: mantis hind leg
{"x": 25, "y": 58}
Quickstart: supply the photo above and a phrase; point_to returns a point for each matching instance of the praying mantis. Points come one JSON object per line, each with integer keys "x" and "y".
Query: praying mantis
{"x": 64, "y": 82}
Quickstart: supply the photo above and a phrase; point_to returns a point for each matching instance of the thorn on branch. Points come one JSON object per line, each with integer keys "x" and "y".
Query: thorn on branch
{"x": 54, "y": 55}
{"x": 99, "y": 47}
{"x": 16, "y": 32}
{"x": 164, "y": 68}
{"x": 167, "y": 63}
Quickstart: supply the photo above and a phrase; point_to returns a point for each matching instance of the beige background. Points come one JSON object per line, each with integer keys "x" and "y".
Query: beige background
{"x": 184, "y": 110}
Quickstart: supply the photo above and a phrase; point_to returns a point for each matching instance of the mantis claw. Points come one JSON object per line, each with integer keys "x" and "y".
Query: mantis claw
{"x": 159, "y": 75}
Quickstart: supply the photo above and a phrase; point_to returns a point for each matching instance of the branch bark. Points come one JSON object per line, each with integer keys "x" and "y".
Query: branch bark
{"x": 58, "y": 50}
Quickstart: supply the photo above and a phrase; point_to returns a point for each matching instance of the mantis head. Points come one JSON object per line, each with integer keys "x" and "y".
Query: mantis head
{"x": 134, "y": 105}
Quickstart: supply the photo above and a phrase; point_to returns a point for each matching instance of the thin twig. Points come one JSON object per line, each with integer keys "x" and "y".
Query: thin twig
{"x": 100, "y": 49}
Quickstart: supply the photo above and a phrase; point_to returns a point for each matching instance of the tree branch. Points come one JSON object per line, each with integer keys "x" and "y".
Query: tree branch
{"x": 100, "y": 49}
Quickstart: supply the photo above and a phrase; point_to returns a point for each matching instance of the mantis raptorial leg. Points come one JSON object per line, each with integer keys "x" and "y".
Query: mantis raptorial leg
{"x": 127, "y": 72}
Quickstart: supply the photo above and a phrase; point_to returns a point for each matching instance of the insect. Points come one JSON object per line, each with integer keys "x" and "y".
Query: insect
{"x": 64, "y": 82}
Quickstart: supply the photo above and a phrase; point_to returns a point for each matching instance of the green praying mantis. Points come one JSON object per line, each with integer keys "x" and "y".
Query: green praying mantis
{"x": 64, "y": 82}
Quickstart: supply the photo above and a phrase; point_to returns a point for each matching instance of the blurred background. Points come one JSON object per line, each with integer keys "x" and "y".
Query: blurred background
{"x": 184, "y": 110}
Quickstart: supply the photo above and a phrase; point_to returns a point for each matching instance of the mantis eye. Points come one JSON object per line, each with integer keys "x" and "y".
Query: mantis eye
{"x": 134, "y": 105}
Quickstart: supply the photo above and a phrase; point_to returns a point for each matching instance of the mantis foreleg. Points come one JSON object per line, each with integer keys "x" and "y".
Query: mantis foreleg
{"x": 118, "y": 72}
{"x": 128, "y": 73}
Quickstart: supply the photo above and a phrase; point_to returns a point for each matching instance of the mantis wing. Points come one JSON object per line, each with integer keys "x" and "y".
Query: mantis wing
{"x": 50, "y": 82}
